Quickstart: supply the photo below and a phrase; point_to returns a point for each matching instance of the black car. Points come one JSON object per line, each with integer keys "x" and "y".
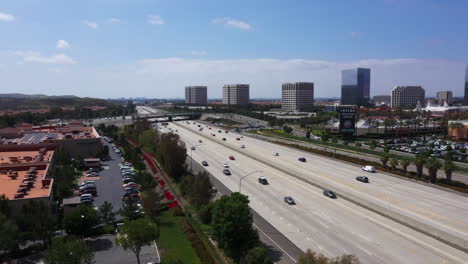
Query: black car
{"x": 224, "y": 139}
{"x": 263, "y": 180}
{"x": 329, "y": 194}
{"x": 227, "y": 172}
{"x": 302, "y": 159}
{"x": 362, "y": 179}
{"x": 204, "y": 163}
{"x": 289, "y": 200}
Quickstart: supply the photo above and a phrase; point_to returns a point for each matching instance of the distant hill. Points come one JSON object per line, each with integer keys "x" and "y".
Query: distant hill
{"x": 19, "y": 95}
{"x": 30, "y": 102}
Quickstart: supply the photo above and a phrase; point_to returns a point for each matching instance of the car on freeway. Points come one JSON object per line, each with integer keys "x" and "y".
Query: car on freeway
{"x": 226, "y": 131}
{"x": 204, "y": 163}
{"x": 219, "y": 131}
{"x": 242, "y": 146}
{"x": 275, "y": 154}
{"x": 225, "y": 165}
{"x": 263, "y": 180}
{"x": 227, "y": 172}
{"x": 214, "y": 135}
{"x": 232, "y": 158}
{"x": 302, "y": 159}
{"x": 289, "y": 200}
{"x": 362, "y": 179}
{"x": 368, "y": 168}
{"x": 200, "y": 141}
{"x": 329, "y": 194}
{"x": 237, "y": 138}
{"x": 192, "y": 148}
{"x": 224, "y": 139}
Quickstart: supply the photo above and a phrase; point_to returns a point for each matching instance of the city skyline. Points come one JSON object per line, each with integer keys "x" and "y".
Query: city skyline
{"x": 147, "y": 48}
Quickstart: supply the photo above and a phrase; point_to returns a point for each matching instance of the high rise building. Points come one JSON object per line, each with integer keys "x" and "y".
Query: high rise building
{"x": 444, "y": 97}
{"x": 355, "y": 86}
{"x": 236, "y": 94}
{"x": 466, "y": 85}
{"x": 196, "y": 95}
{"x": 298, "y": 96}
{"x": 407, "y": 96}
{"x": 382, "y": 100}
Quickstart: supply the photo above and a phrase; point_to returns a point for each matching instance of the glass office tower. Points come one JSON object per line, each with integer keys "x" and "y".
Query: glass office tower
{"x": 355, "y": 86}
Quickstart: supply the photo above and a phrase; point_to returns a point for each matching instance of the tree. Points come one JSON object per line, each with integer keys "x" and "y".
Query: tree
{"x": 287, "y": 129}
{"x": 80, "y": 221}
{"x": 106, "y": 212}
{"x": 373, "y": 144}
{"x": 198, "y": 189}
{"x": 146, "y": 180}
{"x": 9, "y": 230}
{"x": 4, "y": 207}
{"x": 384, "y": 159}
{"x": 70, "y": 250}
{"x": 152, "y": 204}
{"x": 36, "y": 221}
{"x": 448, "y": 168}
{"x": 358, "y": 144}
{"x": 173, "y": 154}
{"x": 135, "y": 234}
{"x": 232, "y": 225}
{"x": 311, "y": 257}
{"x": 433, "y": 165}
{"x": 394, "y": 163}
{"x": 419, "y": 162}
{"x": 205, "y": 214}
{"x": 325, "y": 136}
{"x": 257, "y": 255}
{"x": 405, "y": 163}
{"x": 130, "y": 209}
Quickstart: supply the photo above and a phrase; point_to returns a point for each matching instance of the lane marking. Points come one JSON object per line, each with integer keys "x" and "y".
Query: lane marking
{"x": 274, "y": 242}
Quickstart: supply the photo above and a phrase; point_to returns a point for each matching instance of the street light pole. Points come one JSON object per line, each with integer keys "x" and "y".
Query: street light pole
{"x": 240, "y": 180}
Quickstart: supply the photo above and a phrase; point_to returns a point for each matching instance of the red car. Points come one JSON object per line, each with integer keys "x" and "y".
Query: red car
{"x": 237, "y": 138}
{"x": 130, "y": 185}
{"x": 232, "y": 158}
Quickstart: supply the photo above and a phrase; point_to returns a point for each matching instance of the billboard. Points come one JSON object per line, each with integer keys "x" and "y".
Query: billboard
{"x": 347, "y": 120}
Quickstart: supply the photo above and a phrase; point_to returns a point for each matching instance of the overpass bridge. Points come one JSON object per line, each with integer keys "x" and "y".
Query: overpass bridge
{"x": 169, "y": 117}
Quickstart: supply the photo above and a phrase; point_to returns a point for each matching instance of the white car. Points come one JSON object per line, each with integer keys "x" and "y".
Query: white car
{"x": 275, "y": 154}
{"x": 368, "y": 168}
{"x": 225, "y": 165}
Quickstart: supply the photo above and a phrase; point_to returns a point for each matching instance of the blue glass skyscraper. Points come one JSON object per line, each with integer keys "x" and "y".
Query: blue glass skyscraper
{"x": 355, "y": 86}
{"x": 466, "y": 85}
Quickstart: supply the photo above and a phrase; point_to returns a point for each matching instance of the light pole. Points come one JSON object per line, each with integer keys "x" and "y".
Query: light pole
{"x": 191, "y": 159}
{"x": 240, "y": 180}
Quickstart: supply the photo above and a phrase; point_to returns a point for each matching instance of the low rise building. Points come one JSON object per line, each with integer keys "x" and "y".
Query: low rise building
{"x": 26, "y": 176}
{"x": 458, "y": 129}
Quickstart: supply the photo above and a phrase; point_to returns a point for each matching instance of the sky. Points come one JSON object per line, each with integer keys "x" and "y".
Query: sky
{"x": 154, "y": 48}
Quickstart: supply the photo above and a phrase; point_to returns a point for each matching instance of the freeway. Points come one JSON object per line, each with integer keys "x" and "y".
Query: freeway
{"x": 331, "y": 227}
{"x": 444, "y": 211}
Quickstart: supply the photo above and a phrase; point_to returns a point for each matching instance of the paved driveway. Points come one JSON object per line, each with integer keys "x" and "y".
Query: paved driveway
{"x": 109, "y": 187}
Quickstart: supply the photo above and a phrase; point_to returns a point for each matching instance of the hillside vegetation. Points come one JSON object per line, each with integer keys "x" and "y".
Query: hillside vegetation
{"x": 48, "y": 102}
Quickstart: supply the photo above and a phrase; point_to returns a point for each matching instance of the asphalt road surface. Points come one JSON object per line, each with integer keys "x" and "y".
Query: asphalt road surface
{"x": 280, "y": 248}
{"x": 331, "y": 227}
{"x": 109, "y": 187}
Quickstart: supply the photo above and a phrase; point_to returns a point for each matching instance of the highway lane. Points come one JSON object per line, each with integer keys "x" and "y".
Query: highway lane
{"x": 448, "y": 211}
{"x": 332, "y": 227}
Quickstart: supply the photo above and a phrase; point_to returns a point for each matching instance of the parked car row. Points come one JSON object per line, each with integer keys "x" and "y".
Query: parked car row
{"x": 87, "y": 191}
{"x": 131, "y": 190}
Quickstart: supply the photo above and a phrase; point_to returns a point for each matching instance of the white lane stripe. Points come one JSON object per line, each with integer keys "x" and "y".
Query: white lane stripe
{"x": 275, "y": 243}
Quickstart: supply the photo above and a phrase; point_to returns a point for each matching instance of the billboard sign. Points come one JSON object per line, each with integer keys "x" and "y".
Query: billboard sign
{"x": 347, "y": 120}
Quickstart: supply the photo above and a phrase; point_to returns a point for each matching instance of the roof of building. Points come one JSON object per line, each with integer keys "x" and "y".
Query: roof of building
{"x": 23, "y": 174}
{"x": 48, "y": 135}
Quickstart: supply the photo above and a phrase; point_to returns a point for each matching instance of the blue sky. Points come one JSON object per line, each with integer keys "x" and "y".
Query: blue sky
{"x": 153, "y": 48}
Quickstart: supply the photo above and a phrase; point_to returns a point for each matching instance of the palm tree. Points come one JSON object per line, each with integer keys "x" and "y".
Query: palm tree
{"x": 384, "y": 159}
{"x": 377, "y": 124}
{"x": 419, "y": 162}
{"x": 457, "y": 126}
{"x": 405, "y": 163}
{"x": 394, "y": 163}
{"x": 433, "y": 165}
{"x": 449, "y": 167}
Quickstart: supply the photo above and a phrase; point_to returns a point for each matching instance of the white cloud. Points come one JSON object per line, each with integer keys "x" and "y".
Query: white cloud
{"x": 90, "y": 24}
{"x": 199, "y": 53}
{"x": 62, "y": 44}
{"x": 114, "y": 20}
{"x": 234, "y": 23}
{"x": 155, "y": 20}
{"x": 7, "y": 17}
{"x": 31, "y": 56}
